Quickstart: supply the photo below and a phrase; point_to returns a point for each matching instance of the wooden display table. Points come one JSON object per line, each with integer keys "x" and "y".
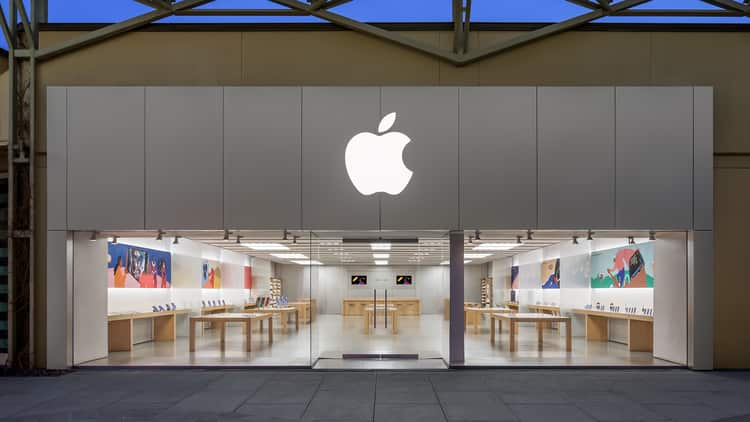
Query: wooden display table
{"x": 222, "y": 319}
{"x": 447, "y": 307}
{"x": 406, "y": 306}
{"x": 546, "y": 309}
{"x": 120, "y": 327}
{"x": 249, "y": 306}
{"x": 313, "y": 306}
{"x": 283, "y": 313}
{"x": 640, "y": 328}
{"x": 208, "y": 310}
{"x": 511, "y": 305}
{"x": 370, "y": 315}
{"x": 540, "y": 319}
{"x": 304, "y": 310}
{"x": 473, "y": 315}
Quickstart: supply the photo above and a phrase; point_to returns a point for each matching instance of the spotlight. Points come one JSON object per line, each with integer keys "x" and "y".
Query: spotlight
{"x": 294, "y": 239}
{"x": 590, "y": 235}
{"x": 176, "y": 240}
{"x": 114, "y": 239}
{"x": 518, "y": 240}
{"x": 238, "y": 239}
{"x": 286, "y": 235}
{"x": 159, "y": 235}
{"x": 651, "y": 235}
{"x": 575, "y": 240}
{"x": 631, "y": 240}
{"x": 476, "y": 234}
{"x": 528, "y": 235}
{"x": 92, "y": 237}
{"x": 226, "y": 234}
{"x": 471, "y": 239}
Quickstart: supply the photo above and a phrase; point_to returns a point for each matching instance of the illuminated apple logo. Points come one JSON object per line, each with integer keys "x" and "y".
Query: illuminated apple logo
{"x": 375, "y": 163}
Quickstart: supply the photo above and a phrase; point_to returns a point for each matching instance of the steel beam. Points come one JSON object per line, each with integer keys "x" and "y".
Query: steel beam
{"x": 546, "y": 31}
{"x": 6, "y": 30}
{"x": 370, "y": 30}
{"x": 114, "y": 30}
{"x": 729, "y": 5}
{"x": 240, "y": 12}
{"x": 27, "y": 33}
{"x": 583, "y": 3}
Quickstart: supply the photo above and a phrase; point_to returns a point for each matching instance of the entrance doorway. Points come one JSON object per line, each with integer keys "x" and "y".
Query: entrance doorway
{"x": 382, "y": 299}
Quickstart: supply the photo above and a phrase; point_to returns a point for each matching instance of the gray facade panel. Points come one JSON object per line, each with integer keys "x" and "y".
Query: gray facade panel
{"x": 184, "y": 160}
{"x": 262, "y": 157}
{"x": 576, "y": 157}
{"x": 105, "y": 157}
{"x": 654, "y": 157}
{"x": 57, "y": 158}
{"x": 703, "y": 177}
{"x": 429, "y": 117}
{"x": 498, "y": 157}
{"x": 330, "y": 117}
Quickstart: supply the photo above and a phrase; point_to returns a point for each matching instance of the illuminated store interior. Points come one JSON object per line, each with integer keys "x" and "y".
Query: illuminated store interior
{"x": 378, "y": 299}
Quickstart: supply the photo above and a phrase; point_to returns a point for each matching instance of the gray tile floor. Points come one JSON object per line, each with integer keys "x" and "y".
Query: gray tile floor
{"x": 459, "y": 395}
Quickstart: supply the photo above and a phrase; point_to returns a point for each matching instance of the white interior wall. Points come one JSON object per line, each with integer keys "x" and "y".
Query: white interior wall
{"x": 89, "y": 298}
{"x": 333, "y": 284}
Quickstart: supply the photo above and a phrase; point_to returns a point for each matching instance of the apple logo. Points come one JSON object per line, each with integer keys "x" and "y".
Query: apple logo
{"x": 375, "y": 162}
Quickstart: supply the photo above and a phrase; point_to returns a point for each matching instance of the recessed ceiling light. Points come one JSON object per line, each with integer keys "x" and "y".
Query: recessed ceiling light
{"x": 448, "y": 262}
{"x": 380, "y": 246}
{"x": 495, "y": 246}
{"x": 381, "y": 255}
{"x": 381, "y": 262}
{"x": 289, "y": 255}
{"x": 477, "y": 255}
{"x": 266, "y": 246}
{"x": 308, "y": 262}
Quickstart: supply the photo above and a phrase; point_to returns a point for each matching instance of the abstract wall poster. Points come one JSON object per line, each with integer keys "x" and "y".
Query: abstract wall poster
{"x": 403, "y": 280}
{"x": 514, "y": 281}
{"x": 551, "y": 274}
{"x": 136, "y": 267}
{"x": 210, "y": 274}
{"x": 248, "y": 277}
{"x": 359, "y": 280}
{"x": 630, "y": 266}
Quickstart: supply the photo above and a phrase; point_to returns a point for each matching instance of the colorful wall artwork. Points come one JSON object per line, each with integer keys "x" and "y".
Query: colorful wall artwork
{"x": 403, "y": 280}
{"x": 211, "y": 274}
{"x": 551, "y": 274}
{"x": 514, "y": 281}
{"x": 629, "y": 266}
{"x": 248, "y": 277}
{"x": 136, "y": 267}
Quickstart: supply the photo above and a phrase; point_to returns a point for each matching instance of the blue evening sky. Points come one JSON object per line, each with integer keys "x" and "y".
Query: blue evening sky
{"x": 375, "y": 11}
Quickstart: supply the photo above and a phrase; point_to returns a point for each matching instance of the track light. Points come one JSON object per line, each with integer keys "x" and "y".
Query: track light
{"x": 286, "y": 235}
{"x": 114, "y": 239}
{"x": 590, "y": 235}
{"x": 575, "y": 240}
{"x": 651, "y": 235}
{"x": 294, "y": 239}
{"x": 476, "y": 234}
{"x": 159, "y": 235}
{"x": 226, "y": 234}
{"x": 518, "y": 240}
{"x": 471, "y": 239}
{"x": 238, "y": 239}
{"x": 631, "y": 240}
{"x": 92, "y": 237}
{"x": 176, "y": 240}
{"x": 528, "y": 235}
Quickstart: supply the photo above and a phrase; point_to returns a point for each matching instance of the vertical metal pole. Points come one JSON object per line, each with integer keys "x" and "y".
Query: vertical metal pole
{"x": 12, "y": 86}
{"x": 374, "y": 308}
{"x": 456, "y": 330}
{"x": 385, "y": 308}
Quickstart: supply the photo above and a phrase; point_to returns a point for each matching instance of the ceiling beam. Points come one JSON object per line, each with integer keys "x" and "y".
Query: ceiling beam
{"x": 368, "y": 29}
{"x": 729, "y": 5}
{"x": 113, "y": 30}
{"x": 240, "y": 12}
{"x": 546, "y": 31}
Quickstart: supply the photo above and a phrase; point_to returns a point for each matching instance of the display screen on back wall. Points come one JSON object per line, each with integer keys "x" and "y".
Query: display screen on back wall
{"x": 359, "y": 280}
{"x": 403, "y": 280}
